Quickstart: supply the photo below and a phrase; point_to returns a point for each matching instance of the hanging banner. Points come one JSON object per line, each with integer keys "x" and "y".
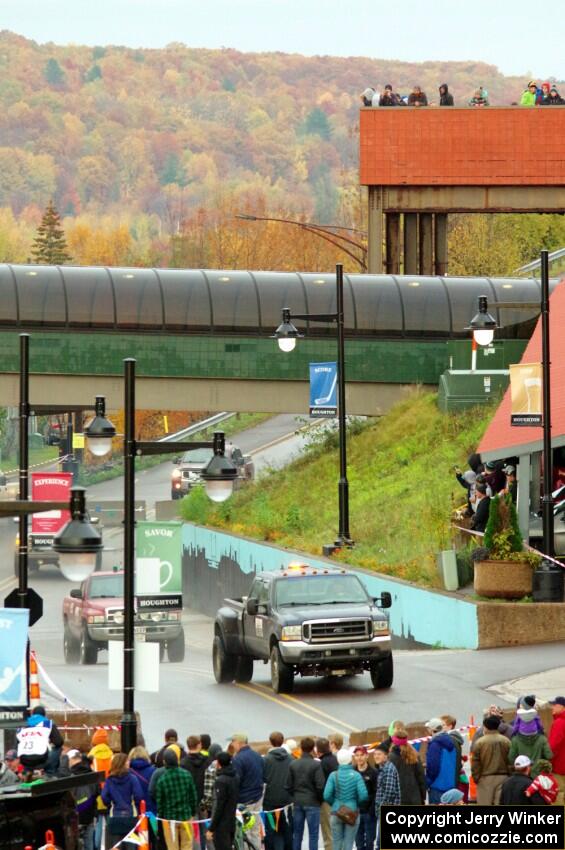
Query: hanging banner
{"x": 526, "y": 394}
{"x": 13, "y": 666}
{"x": 323, "y": 389}
{"x": 50, "y": 487}
{"x": 158, "y": 579}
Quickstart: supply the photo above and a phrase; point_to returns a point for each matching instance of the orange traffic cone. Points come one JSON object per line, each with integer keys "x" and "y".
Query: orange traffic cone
{"x": 49, "y": 837}
{"x": 34, "y": 692}
{"x": 143, "y": 829}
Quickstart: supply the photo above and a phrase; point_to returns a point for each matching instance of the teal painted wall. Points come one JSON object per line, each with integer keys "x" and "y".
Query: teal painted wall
{"x": 371, "y": 360}
{"x": 433, "y": 619}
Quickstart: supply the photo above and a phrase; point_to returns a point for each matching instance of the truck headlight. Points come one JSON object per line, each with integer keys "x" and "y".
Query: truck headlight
{"x": 119, "y": 618}
{"x": 176, "y": 473}
{"x": 380, "y": 627}
{"x": 157, "y": 616}
{"x": 95, "y": 618}
{"x": 291, "y": 633}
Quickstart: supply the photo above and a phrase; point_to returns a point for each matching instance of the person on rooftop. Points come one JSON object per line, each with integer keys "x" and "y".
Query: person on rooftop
{"x": 530, "y": 95}
{"x": 417, "y": 97}
{"x": 480, "y": 98}
{"x": 369, "y": 97}
{"x": 555, "y": 98}
{"x": 445, "y": 98}
{"x": 389, "y": 98}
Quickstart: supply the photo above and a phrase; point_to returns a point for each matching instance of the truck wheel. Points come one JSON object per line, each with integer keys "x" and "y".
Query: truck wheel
{"x": 243, "y": 669}
{"x": 70, "y": 646}
{"x": 175, "y": 648}
{"x": 282, "y": 676}
{"x": 224, "y": 664}
{"x": 88, "y": 651}
{"x": 382, "y": 673}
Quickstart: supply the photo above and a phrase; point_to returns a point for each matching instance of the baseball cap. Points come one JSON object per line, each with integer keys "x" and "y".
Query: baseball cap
{"x": 557, "y": 701}
{"x": 74, "y": 754}
{"x": 11, "y": 755}
{"x": 434, "y": 724}
{"x": 360, "y": 749}
{"x": 522, "y": 761}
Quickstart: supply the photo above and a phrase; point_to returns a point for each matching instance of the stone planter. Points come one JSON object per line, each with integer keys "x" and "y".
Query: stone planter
{"x": 503, "y": 579}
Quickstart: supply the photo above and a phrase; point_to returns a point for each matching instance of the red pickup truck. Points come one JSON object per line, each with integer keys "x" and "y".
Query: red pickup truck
{"x": 94, "y": 614}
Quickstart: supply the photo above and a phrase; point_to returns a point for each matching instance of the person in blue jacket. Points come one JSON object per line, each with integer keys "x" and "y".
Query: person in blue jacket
{"x": 141, "y": 767}
{"x": 441, "y": 760}
{"x": 122, "y": 790}
{"x": 345, "y": 787}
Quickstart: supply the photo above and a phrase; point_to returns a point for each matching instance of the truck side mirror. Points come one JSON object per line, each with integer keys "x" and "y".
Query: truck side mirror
{"x": 384, "y": 600}
{"x": 75, "y": 593}
{"x": 252, "y": 606}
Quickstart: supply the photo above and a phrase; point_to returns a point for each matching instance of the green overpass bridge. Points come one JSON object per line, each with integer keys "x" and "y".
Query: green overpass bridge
{"x": 202, "y": 338}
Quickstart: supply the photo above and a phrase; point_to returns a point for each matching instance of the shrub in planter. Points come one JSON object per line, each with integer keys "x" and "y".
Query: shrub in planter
{"x": 503, "y": 568}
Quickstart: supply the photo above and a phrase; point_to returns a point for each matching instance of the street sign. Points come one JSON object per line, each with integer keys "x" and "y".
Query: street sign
{"x": 34, "y": 604}
{"x": 323, "y": 389}
{"x": 50, "y": 487}
{"x": 13, "y": 663}
{"x": 159, "y": 560}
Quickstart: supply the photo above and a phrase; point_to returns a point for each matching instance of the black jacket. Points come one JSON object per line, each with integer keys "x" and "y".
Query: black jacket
{"x": 196, "y": 764}
{"x": 412, "y": 779}
{"x": 306, "y": 781}
{"x": 445, "y": 98}
{"x": 85, "y": 795}
{"x": 329, "y": 764}
{"x": 226, "y": 792}
{"x": 513, "y": 792}
{"x": 480, "y": 517}
{"x": 369, "y": 777}
{"x": 276, "y": 766}
{"x": 157, "y": 756}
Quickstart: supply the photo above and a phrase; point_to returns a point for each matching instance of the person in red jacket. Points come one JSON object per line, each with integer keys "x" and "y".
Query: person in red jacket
{"x": 557, "y": 744}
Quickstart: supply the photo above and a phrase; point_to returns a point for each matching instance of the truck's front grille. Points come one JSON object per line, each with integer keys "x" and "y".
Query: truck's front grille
{"x": 336, "y": 631}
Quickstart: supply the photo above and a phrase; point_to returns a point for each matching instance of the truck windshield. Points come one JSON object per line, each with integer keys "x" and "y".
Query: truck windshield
{"x": 198, "y": 456}
{"x": 106, "y": 587}
{"x": 320, "y": 590}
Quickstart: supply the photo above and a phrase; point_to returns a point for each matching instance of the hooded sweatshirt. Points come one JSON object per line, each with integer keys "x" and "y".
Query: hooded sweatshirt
{"x": 101, "y": 756}
{"x": 441, "y": 762}
{"x": 118, "y": 793}
{"x": 7, "y": 776}
{"x": 196, "y": 764}
{"x": 535, "y": 747}
{"x": 276, "y": 765}
{"x": 144, "y": 770}
{"x": 445, "y": 98}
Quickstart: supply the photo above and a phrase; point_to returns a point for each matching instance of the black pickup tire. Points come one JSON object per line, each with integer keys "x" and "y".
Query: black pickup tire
{"x": 382, "y": 673}
{"x": 88, "y": 651}
{"x": 71, "y": 648}
{"x": 243, "y": 669}
{"x": 224, "y": 665}
{"x": 282, "y": 676}
{"x": 176, "y": 648}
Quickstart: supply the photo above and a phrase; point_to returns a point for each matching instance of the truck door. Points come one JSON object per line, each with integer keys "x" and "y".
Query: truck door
{"x": 255, "y": 625}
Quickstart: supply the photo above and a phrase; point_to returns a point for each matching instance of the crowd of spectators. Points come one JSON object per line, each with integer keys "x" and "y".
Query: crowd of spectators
{"x": 534, "y": 95}
{"x": 482, "y": 482}
{"x": 239, "y": 797}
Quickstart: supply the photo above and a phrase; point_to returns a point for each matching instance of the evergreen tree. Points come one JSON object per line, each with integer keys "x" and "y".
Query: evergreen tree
{"x": 50, "y": 246}
{"x": 53, "y": 73}
{"x": 317, "y": 124}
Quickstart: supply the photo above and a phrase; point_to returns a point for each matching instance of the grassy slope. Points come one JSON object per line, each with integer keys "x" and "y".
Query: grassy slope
{"x": 401, "y": 486}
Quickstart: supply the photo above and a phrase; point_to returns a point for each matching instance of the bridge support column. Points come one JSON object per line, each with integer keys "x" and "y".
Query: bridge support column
{"x": 410, "y": 243}
{"x": 393, "y": 243}
{"x": 440, "y": 236}
{"x": 375, "y": 230}
{"x": 426, "y": 243}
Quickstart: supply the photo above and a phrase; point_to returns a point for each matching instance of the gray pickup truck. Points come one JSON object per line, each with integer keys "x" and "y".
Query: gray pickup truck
{"x": 304, "y": 621}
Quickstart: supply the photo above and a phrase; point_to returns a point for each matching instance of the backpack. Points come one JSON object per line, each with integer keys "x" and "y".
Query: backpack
{"x": 33, "y": 746}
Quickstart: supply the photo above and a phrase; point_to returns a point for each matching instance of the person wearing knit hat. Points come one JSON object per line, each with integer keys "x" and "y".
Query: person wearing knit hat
{"x": 409, "y": 768}
{"x": 555, "y": 98}
{"x": 528, "y": 738}
{"x": 100, "y": 754}
{"x": 545, "y": 90}
{"x": 504, "y": 728}
{"x": 453, "y": 797}
{"x": 530, "y": 94}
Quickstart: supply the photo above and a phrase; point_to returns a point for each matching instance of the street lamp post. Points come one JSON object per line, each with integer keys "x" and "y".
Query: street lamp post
{"x": 286, "y": 335}
{"x": 328, "y": 232}
{"x": 483, "y": 326}
{"x": 218, "y": 478}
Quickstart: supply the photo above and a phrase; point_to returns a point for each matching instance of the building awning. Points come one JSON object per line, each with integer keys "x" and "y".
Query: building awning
{"x": 501, "y": 439}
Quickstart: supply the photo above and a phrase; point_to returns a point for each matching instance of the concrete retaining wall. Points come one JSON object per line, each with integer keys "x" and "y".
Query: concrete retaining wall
{"x": 216, "y": 565}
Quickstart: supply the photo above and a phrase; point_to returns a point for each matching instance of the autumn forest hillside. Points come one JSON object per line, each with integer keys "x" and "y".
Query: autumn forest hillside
{"x": 147, "y": 152}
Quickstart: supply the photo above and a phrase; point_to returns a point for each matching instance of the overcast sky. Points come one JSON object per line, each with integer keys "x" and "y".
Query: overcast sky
{"x": 515, "y": 35}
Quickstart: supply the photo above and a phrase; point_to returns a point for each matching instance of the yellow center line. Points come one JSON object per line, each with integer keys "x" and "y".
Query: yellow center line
{"x": 313, "y": 708}
{"x": 313, "y": 719}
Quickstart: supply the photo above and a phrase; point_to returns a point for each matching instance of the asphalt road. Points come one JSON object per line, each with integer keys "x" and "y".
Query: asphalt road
{"x": 426, "y": 683}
